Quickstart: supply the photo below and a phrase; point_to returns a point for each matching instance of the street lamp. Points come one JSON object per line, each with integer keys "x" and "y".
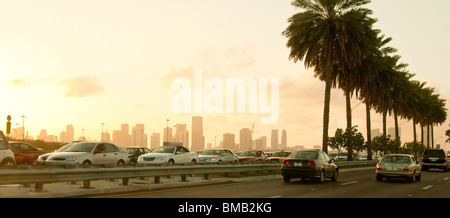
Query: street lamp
{"x": 23, "y": 126}
{"x": 167, "y": 131}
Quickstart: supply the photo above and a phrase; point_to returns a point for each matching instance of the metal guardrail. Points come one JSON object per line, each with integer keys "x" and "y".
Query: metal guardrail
{"x": 41, "y": 177}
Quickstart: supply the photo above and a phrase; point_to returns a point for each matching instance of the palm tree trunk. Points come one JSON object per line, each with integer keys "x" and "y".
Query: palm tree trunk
{"x": 414, "y": 131}
{"x": 384, "y": 123}
{"x": 349, "y": 123}
{"x": 432, "y": 136}
{"x": 369, "y": 133}
{"x": 396, "y": 125}
{"x": 428, "y": 136}
{"x": 326, "y": 111}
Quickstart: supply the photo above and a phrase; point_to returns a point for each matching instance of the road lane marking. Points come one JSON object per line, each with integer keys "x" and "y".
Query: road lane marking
{"x": 427, "y": 187}
{"x": 278, "y": 196}
{"x": 446, "y": 178}
{"x": 349, "y": 183}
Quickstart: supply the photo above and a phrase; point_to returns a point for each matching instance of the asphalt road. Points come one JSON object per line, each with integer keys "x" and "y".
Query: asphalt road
{"x": 354, "y": 184}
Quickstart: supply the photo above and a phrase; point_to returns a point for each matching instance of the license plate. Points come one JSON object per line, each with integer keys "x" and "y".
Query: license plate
{"x": 298, "y": 164}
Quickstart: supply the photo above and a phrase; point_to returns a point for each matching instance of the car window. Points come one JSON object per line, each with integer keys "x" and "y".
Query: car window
{"x": 3, "y": 142}
{"x": 81, "y": 147}
{"x": 434, "y": 153}
{"x": 25, "y": 147}
{"x": 311, "y": 155}
{"x": 396, "y": 159}
{"x": 164, "y": 149}
{"x": 99, "y": 148}
{"x": 110, "y": 148}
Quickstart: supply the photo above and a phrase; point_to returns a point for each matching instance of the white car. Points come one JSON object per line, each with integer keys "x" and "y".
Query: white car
{"x": 168, "y": 155}
{"x": 90, "y": 153}
{"x": 217, "y": 155}
{"x": 6, "y": 155}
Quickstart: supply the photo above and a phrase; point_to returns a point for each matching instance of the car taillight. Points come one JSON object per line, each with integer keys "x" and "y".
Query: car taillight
{"x": 311, "y": 163}
{"x": 406, "y": 169}
{"x": 285, "y": 162}
{"x": 421, "y": 158}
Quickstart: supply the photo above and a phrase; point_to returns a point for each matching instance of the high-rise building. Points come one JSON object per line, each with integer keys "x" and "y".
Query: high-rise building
{"x": 245, "y": 139}
{"x": 283, "y": 140}
{"x": 229, "y": 141}
{"x": 197, "y": 134}
{"x": 122, "y": 137}
{"x": 261, "y": 143}
{"x": 138, "y": 136}
{"x": 155, "y": 140}
{"x": 274, "y": 140}
{"x": 167, "y": 134}
{"x": 70, "y": 133}
{"x": 181, "y": 134}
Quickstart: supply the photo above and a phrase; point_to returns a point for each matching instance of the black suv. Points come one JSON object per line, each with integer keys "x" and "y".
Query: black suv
{"x": 435, "y": 158}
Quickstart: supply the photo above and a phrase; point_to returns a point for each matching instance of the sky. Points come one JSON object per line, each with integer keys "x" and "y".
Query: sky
{"x": 88, "y": 62}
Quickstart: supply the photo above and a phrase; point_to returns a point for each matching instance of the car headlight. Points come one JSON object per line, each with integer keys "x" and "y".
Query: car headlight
{"x": 71, "y": 159}
{"x": 160, "y": 158}
{"x": 214, "y": 159}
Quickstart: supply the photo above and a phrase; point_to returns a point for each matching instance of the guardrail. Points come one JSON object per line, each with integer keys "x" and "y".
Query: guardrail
{"x": 39, "y": 177}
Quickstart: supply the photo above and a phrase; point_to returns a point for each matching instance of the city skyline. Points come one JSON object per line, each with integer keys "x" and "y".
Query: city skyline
{"x": 87, "y": 63}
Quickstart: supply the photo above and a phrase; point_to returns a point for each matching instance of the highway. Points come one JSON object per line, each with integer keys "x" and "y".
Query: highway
{"x": 350, "y": 184}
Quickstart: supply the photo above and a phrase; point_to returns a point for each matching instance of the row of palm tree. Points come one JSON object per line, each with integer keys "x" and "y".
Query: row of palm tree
{"x": 337, "y": 39}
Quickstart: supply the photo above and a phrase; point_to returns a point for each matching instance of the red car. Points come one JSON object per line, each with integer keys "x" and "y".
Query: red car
{"x": 253, "y": 156}
{"x": 25, "y": 153}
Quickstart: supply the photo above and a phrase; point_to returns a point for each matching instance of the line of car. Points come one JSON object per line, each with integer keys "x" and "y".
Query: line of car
{"x": 85, "y": 153}
{"x": 316, "y": 164}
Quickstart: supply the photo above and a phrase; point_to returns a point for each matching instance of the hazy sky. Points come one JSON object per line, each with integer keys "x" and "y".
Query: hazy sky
{"x": 88, "y": 62}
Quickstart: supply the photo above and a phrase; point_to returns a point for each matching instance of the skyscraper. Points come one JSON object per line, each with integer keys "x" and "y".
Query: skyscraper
{"x": 197, "y": 134}
{"x": 283, "y": 140}
{"x": 245, "y": 139}
{"x": 274, "y": 140}
{"x": 155, "y": 140}
{"x": 181, "y": 134}
{"x": 229, "y": 141}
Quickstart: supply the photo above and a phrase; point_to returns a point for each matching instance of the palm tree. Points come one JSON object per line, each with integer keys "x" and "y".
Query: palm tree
{"x": 329, "y": 35}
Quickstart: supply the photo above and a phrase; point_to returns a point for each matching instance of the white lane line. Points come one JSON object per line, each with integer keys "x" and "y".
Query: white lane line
{"x": 446, "y": 178}
{"x": 349, "y": 183}
{"x": 427, "y": 187}
{"x": 278, "y": 196}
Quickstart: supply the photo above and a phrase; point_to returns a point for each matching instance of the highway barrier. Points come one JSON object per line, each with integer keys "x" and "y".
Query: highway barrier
{"x": 39, "y": 177}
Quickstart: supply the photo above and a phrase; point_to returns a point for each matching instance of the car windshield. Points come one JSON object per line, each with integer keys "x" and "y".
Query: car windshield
{"x": 164, "y": 149}
{"x": 81, "y": 147}
{"x": 396, "y": 159}
{"x": 311, "y": 155}
{"x": 211, "y": 152}
{"x": 248, "y": 153}
{"x": 63, "y": 148}
{"x": 280, "y": 154}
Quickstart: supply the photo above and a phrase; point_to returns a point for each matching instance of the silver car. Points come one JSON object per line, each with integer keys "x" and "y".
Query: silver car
{"x": 90, "y": 153}
{"x": 218, "y": 155}
{"x": 399, "y": 166}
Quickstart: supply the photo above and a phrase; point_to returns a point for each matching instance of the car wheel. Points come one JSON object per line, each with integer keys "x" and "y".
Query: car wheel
{"x": 322, "y": 177}
{"x": 418, "y": 177}
{"x": 120, "y": 163}
{"x": 193, "y": 161}
{"x": 171, "y": 162}
{"x": 335, "y": 176}
{"x": 413, "y": 178}
{"x": 286, "y": 179}
{"x": 379, "y": 178}
{"x": 86, "y": 163}
{"x": 8, "y": 163}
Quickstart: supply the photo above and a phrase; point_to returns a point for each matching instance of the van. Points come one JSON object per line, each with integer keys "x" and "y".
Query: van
{"x": 435, "y": 158}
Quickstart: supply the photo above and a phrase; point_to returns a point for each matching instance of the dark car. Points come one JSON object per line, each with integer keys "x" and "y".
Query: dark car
{"x": 435, "y": 158}
{"x": 311, "y": 163}
{"x": 25, "y": 153}
{"x": 253, "y": 156}
{"x": 135, "y": 152}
